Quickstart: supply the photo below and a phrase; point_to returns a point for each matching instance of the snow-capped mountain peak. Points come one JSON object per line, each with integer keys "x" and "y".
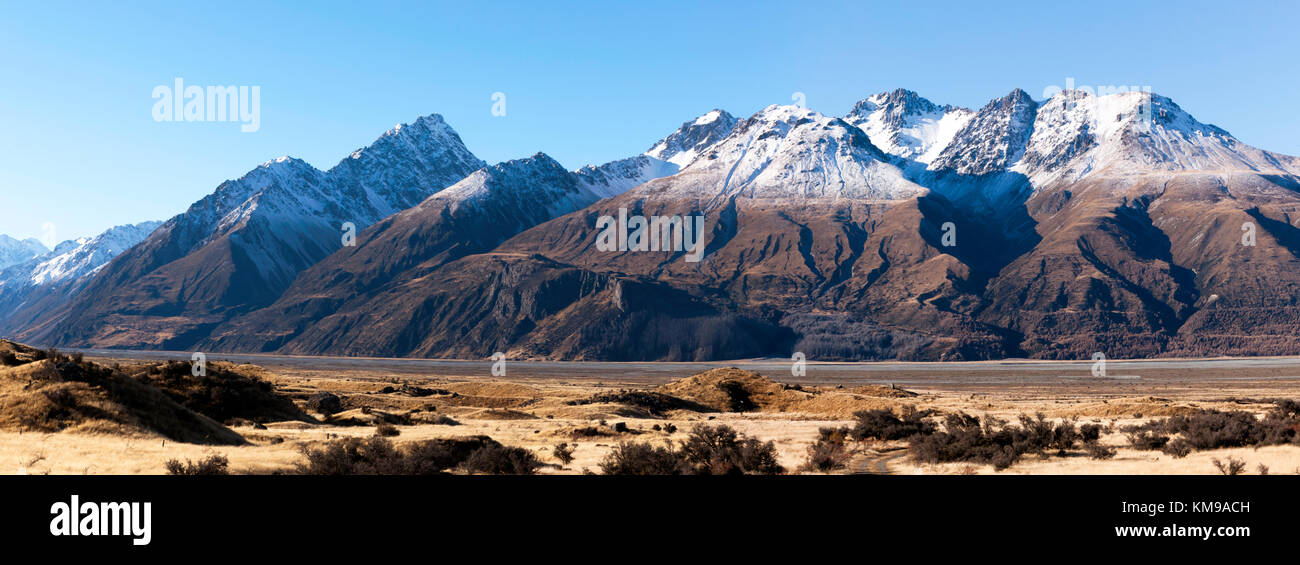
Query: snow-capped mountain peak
{"x": 1076, "y": 133}
{"x": 401, "y": 168}
{"x": 14, "y": 251}
{"x": 791, "y": 152}
{"x": 74, "y": 259}
{"x": 993, "y": 139}
{"x": 693, "y": 138}
{"x": 903, "y": 124}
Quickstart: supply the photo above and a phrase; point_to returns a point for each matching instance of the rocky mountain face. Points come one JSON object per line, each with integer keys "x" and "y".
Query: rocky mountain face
{"x": 903, "y": 124}
{"x": 690, "y": 140}
{"x": 905, "y": 230}
{"x": 374, "y": 283}
{"x": 240, "y": 247}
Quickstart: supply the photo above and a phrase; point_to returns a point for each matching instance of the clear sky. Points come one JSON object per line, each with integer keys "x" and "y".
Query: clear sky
{"x": 585, "y": 83}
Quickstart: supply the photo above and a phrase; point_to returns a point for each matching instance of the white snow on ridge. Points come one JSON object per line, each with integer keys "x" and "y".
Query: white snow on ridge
{"x": 14, "y": 251}
{"x": 1077, "y": 134}
{"x": 905, "y": 125}
{"x": 792, "y": 152}
{"x": 616, "y": 177}
{"x": 693, "y": 138}
{"x": 89, "y": 254}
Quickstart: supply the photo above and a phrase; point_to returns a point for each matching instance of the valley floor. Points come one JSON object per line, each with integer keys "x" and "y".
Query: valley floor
{"x": 538, "y": 412}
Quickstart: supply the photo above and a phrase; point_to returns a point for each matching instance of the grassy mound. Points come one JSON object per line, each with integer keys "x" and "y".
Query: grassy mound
{"x": 50, "y": 392}
{"x": 650, "y": 402}
{"x": 735, "y": 390}
{"x": 226, "y": 393}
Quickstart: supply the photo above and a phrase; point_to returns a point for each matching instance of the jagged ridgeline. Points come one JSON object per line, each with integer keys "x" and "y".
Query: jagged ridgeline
{"x": 905, "y": 229}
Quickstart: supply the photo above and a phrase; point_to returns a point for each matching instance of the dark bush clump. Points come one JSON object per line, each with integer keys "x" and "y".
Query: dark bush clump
{"x": 385, "y": 429}
{"x": 1215, "y": 429}
{"x": 212, "y": 465}
{"x": 501, "y": 460}
{"x": 829, "y": 452}
{"x": 325, "y": 403}
{"x": 444, "y": 420}
{"x": 883, "y": 424}
{"x": 1098, "y": 451}
{"x": 1178, "y": 448}
{"x": 709, "y": 450}
{"x": 1231, "y": 467}
{"x": 376, "y": 455}
{"x": 1089, "y": 432}
{"x": 721, "y": 450}
{"x": 656, "y": 403}
{"x": 630, "y": 458}
{"x": 564, "y": 452}
{"x": 1147, "y": 440}
{"x": 966, "y": 438}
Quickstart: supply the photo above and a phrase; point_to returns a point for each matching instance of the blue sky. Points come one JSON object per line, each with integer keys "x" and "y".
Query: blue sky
{"x": 585, "y": 82}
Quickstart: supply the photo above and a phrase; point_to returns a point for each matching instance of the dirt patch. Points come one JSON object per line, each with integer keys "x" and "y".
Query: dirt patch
{"x": 1135, "y": 407}
{"x": 492, "y": 414}
{"x": 881, "y": 391}
{"x": 495, "y": 389}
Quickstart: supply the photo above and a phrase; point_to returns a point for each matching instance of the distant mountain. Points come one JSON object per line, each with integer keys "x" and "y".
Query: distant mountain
{"x": 368, "y": 285}
{"x": 44, "y": 283}
{"x": 14, "y": 251}
{"x": 240, "y": 247}
{"x": 1082, "y": 224}
{"x": 907, "y": 229}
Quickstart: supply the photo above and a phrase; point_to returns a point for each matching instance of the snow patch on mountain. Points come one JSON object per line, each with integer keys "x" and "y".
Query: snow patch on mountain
{"x": 85, "y": 256}
{"x": 693, "y": 138}
{"x": 1077, "y": 134}
{"x": 903, "y": 124}
{"x": 792, "y": 152}
{"x": 14, "y": 251}
{"x": 616, "y": 177}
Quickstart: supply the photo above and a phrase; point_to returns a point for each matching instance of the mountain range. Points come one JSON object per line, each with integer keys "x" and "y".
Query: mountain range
{"x": 903, "y": 230}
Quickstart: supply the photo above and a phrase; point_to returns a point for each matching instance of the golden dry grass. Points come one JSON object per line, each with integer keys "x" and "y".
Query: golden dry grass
{"x": 537, "y": 414}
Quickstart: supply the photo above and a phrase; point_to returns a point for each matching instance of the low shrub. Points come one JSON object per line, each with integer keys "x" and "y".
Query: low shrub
{"x": 212, "y": 465}
{"x": 502, "y": 460}
{"x": 325, "y": 403}
{"x": 830, "y": 452}
{"x": 720, "y": 450}
{"x": 1178, "y": 448}
{"x": 1231, "y": 467}
{"x": 709, "y": 450}
{"x": 631, "y": 458}
{"x": 1147, "y": 440}
{"x": 1098, "y": 451}
{"x": 564, "y": 453}
{"x": 377, "y": 455}
{"x": 884, "y": 424}
{"x": 1216, "y": 429}
{"x": 992, "y": 441}
{"x": 444, "y": 420}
